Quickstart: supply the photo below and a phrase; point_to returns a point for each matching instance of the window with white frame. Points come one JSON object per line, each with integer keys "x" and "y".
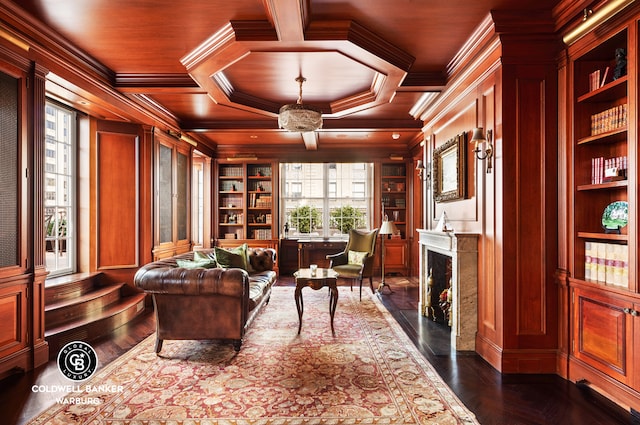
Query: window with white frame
{"x": 325, "y": 199}
{"x": 59, "y": 199}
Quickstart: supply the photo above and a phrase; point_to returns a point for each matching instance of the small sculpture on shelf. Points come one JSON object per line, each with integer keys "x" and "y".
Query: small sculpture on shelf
{"x": 621, "y": 63}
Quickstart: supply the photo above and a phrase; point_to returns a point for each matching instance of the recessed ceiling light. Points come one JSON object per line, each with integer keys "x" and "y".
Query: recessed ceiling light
{"x": 395, "y": 136}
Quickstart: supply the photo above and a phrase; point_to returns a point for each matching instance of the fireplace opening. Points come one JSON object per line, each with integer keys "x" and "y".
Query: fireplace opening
{"x": 439, "y": 295}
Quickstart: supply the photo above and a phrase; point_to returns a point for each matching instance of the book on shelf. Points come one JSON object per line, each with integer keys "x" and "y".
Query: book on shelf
{"x": 611, "y": 119}
{"x": 594, "y": 80}
{"x": 598, "y": 78}
{"x": 262, "y": 234}
{"x": 606, "y": 263}
{"x": 608, "y": 169}
{"x": 604, "y": 77}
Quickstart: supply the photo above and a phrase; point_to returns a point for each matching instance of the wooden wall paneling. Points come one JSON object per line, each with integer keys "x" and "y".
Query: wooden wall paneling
{"x": 14, "y": 324}
{"x": 565, "y": 173}
{"x": 36, "y": 233}
{"x": 529, "y": 217}
{"x": 146, "y": 195}
{"x": 463, "y": 213}
{"x": 117, "y": 200}
{"x": 489, "y": 292}
{"x": 22, "y": 343}
{"x": 416, "y": 213}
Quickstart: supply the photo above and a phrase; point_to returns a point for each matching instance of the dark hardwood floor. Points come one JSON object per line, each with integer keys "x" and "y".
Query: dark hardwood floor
{"x": 495, "y": 399}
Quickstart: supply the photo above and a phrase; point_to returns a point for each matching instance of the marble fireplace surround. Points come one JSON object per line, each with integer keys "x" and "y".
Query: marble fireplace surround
{"x": 463, "y": 250}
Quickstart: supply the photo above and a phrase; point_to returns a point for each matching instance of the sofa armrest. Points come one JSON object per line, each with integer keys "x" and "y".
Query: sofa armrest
{"x": 159, "y": 279}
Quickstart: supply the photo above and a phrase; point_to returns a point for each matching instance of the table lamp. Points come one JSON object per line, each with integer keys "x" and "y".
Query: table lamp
{"x": 387, "y": 228}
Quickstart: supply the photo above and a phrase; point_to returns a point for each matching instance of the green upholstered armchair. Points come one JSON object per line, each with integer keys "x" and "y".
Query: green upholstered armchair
{"x": 356, "y": 261}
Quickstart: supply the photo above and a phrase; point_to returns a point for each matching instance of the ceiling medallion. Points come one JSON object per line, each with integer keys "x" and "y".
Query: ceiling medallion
{"x": 298, "y": 117}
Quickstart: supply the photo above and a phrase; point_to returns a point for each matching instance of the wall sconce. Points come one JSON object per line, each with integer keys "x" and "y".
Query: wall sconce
{"x": 486, "y": 150}
{"x": 423, "y": 172}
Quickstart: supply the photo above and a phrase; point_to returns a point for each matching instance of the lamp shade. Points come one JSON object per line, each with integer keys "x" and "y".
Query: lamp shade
{"x": 299, "y": 117}
{"x": 388, "y": 228}
{"x": 478, "y": 135}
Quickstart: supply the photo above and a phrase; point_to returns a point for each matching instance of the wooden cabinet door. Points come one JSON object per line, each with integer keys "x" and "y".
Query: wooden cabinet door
{"x": 395, "y": 256}
{"x": 603, "y": 333}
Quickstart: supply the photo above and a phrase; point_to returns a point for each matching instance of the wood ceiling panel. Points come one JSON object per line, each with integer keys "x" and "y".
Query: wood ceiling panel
{"x": 330, "y": 75}
{"x": 432, "y": 30}
{"x": 367, "y": 63}
{"x": 140, "y": 36}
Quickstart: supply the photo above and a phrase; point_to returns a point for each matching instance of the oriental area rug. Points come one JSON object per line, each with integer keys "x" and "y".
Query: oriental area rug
{"x": 369, "y": 372}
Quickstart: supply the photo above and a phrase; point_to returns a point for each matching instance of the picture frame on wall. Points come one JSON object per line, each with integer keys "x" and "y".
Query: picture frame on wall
{"x": 449, "y": 169}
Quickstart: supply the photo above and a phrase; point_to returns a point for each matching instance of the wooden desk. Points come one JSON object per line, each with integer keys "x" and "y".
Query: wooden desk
{"x": 316, "y": 251}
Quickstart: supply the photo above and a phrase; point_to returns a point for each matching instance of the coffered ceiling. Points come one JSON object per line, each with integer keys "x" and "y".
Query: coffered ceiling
{"x": 219, "y": 71}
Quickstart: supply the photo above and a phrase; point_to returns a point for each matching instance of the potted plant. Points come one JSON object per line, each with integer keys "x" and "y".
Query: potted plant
{"x": 346, "y": 218}
{"x": 305, "y": 218}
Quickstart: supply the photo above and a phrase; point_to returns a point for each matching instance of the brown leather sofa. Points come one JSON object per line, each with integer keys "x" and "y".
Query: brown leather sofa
{"x": 207, "y": 303}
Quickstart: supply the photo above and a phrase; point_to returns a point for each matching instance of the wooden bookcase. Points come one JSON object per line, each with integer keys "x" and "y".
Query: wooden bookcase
{"x": 604, "y": 306}
{"x": 246, "y": 204}
{"x": 172, "y": 223}
{"x": 393, "y": 196}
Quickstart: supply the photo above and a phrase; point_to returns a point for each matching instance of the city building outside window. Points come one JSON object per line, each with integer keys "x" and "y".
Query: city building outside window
{"x": 326, "y": 199}
{"x": 59, "y": 196}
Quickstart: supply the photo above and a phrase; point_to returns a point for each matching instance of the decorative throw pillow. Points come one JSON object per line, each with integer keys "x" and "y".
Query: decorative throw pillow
{"x": 357, "y": 257}
{"x": 197, "y": 264}
{"x": 199, "y": 255}
{"x": 232, "y": 258}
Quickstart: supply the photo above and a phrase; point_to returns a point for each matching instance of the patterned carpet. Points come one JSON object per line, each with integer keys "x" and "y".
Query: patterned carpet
{"x": 368, "y": 373}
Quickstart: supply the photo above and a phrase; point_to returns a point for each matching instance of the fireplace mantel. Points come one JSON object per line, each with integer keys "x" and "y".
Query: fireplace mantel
{"x": 463, "y": 250}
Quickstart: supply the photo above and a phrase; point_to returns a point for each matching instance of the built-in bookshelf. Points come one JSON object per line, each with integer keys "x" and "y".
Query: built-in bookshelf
{"x": 245, "y": 203}
{"x": 600, "y": 152}
{"x": 603, "y": 299}
{"x": 393, "y": 194}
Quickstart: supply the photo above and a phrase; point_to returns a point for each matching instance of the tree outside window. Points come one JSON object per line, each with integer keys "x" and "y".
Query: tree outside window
{"x": 326, "y": 199}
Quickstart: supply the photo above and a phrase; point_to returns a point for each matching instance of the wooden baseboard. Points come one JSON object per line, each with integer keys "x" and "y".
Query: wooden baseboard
{"x": 518, "y": 361}
{"x": 18, "y": 362}
{"x": 40, "y": 354}
{"x": 613, "y": 390}
{"x": 490, "y": 352}
{"x": 529, "y": 361}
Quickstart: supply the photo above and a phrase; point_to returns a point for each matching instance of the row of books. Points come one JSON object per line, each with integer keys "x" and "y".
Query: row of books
{"x": 231, "y": 186}
{"x": 389, "y": 201}
{"x": 598, "y": 78}
{"x": 606, "y": 263}
{"x": 608, "y": 169}
{"x": 262, "y": 234}
{"x": 260, "y": 186}
{"x": 257, "y": 200}
{"x": 393, "y": 170}
{"x": 260, "y": 171}
{"x": 234, "y": 171}
{"x": 609, "y": 120}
